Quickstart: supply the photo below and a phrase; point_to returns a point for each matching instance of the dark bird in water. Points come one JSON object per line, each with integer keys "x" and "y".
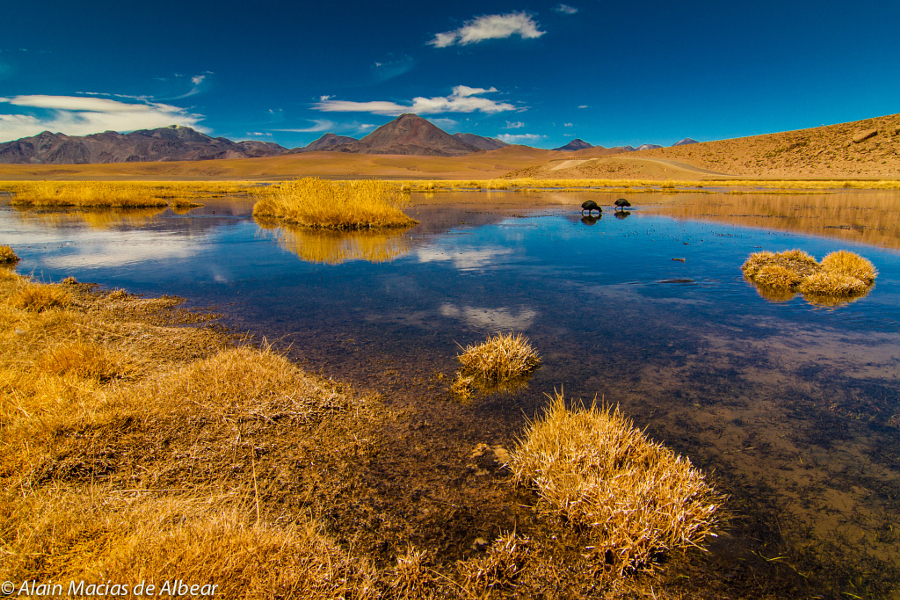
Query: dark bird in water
{"x": 622, "y": 203}
{"x": 589, "y": 220}
{"x": 590, "y": 206}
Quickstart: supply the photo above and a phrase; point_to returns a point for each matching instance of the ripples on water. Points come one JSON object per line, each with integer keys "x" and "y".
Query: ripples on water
{"x": 794, "y": 407}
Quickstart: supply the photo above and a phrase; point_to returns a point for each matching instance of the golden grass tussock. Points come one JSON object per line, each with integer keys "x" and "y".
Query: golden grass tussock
{"x": 853, "y": 265}
{"x": 99, "y": 536}
{"x": 87, "y": 360}
{"x": 38, "y": 298}
{"x": 500, "y": 567}
{"x": 636, "y": 498}
{"x": 116, "y": 194}
{"x": 841, "y": 275}
{"x": 314, "y": 202}
{"x": 8, "y": 256}
{"x": 502, "y": 356}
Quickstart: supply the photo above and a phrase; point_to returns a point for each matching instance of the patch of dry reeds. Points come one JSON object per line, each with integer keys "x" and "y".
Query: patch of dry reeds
{"x": 117, "y": 194}
{"x": 505, "y": 561}
{"x": 314, "y": 202}
{"x": 636, "y": 498}
{"x": 38, "y": 298}
{"x": 8, "y": 256}
{"x": 502, "y": 356}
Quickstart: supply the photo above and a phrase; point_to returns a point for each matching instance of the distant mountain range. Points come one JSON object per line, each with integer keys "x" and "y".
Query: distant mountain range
{"x": 145, "y": 145}
{"x": 408, "y": 134}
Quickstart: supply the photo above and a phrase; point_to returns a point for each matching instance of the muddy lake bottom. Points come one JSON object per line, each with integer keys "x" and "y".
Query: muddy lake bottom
{"x": 792, "y": 408}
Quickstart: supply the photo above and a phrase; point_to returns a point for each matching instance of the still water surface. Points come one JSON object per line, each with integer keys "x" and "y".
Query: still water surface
{"x": 793, "y": 407}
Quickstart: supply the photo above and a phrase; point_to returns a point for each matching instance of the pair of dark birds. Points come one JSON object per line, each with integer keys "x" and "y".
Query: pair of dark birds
{"x": 591, "y": 206}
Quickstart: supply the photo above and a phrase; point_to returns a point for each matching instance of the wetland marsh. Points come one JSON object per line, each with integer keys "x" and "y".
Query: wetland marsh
{"x": 791, "y": 409}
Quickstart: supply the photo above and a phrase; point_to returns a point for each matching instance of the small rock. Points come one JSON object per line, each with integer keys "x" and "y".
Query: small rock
{"x": 864, "y": 135}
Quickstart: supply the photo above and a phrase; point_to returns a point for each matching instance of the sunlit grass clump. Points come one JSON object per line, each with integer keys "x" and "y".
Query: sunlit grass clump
{"x": 8, "y": 256}
{"x": 38, "y": 298}
{"x": 314, "y": 202}
{"x": 840, "y": 276}
{"x": 636, "y": 498}
{"x": 502, "y": 356}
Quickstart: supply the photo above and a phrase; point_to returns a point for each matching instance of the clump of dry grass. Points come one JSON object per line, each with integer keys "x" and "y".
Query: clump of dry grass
{"x": 636, "y": 498}
{"x": 828, "y": 283}
{"x": 841, "y": 275}
{"x": 505, "y": 561}
{"x": 38, "y": 298}
{"x": 500, "y": 357}
{"x": 314, "y": 202}
{"x": 778, "y": 277}
{"x": 853, "y": 265}
{"x": 8, "y": 256}
{"x": 87, "y": 360}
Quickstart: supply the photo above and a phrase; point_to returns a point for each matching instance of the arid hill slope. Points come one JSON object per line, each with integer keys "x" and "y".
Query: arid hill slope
{"x": 868, "y": 149}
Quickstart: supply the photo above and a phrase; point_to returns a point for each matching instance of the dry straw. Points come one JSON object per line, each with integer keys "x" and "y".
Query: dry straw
{"x": 314, "y": 202}
{"x": 8, "y": 256}
{"x": 839, "y": 277}
{"x": 502, "y": 356}
{"x": 635, "y": 497}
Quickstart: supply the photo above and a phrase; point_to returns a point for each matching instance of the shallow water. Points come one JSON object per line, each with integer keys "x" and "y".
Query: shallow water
{"x": 793, "y": 407}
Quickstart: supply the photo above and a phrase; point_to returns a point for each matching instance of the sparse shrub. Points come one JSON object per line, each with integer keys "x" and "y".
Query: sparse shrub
{"x": 8, "y": 256}
{"x": 500, "y": 357}
{"x": 636, "y": 498}
{"x": 849, "y": 263}
{"x": 38, "y": 298}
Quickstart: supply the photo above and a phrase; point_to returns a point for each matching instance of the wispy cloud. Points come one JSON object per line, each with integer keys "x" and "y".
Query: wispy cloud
{"x": 464, "y": 99}
{"x": 515, "y": 125}
{"x": 76, "y": 115}
{"x": 518, "y": 138}
{"x": 566, "y": 9}
{"x": 320, "y": 125}
{"x": 489, "y": 27}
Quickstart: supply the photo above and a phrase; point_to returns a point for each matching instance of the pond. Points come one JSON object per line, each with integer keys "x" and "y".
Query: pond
{"x": 791, "y": 406}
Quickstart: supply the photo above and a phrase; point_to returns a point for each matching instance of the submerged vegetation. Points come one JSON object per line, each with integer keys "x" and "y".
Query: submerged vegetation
{"x": 595, "y": 470}
{"x": 135, "y": 448}
{"x": 840, "y": 276}
{"x": 314, "y": 202}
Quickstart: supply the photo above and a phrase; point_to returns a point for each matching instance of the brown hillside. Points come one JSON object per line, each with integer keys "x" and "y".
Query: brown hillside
{"x": 868, "y": 149}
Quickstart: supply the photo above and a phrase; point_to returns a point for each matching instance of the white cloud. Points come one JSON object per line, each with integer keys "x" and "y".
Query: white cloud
{"x": 489, "y": 27}
{"x": 510, "y": 138}
{"x": 463, "y": 259}
{"x": 515, "y": 125}
{"x": 320, "y": 125}
{"x": 75, "y": 115}
{"x": 445, "y": 123}
{"x": 464, "y": 99}
{"x": 582, "y": 106}
{"x": 567, "y": 125}
{"x": 490, "y": 318}
{"x": 566, "y": 9}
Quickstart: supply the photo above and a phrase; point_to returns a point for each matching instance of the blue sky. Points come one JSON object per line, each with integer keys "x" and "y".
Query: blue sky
{"x": 527, "y": 71}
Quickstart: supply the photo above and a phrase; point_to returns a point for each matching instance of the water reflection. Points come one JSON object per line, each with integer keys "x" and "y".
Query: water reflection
{"x": 590, "y": 221}
{"x": 493, "y": 319}
{"x": 99, "y": 219}
{"x": 337, "y": 247}
{"x": 868, "y": 217}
